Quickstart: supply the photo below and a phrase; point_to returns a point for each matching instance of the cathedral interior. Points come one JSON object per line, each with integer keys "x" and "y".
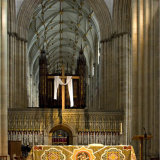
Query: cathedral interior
{"x": 106, "y": 56}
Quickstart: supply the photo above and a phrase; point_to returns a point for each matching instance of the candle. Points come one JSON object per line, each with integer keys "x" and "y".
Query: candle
{"x": 121, "y": 128}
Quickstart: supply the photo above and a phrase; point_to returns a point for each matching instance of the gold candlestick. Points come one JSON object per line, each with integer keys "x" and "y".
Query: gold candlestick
{"x": 121, "y": 128}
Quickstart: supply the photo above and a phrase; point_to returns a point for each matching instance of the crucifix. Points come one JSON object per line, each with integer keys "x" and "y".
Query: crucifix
{"x": 63, "y": 77}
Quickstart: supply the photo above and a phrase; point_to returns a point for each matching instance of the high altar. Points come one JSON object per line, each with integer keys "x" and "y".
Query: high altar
{"x": 90, "y": 152}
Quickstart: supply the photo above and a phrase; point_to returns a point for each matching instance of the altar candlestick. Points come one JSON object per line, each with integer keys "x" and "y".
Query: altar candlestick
{"x": 121, "y": 128}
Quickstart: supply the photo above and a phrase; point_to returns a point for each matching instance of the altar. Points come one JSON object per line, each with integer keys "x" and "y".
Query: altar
{"x": 90, "y": 152}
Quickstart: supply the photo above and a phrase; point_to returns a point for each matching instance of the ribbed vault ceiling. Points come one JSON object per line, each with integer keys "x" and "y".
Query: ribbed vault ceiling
{"x": 61, "y": 27}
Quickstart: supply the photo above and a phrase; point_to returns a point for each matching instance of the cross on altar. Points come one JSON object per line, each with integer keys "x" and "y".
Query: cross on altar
{"x": 63, "y": 77}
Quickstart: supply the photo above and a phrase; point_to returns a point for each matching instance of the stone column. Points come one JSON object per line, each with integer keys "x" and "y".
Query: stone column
{"x": 0, "y": 82}
{"x": 104, "y": 84}
{"x": 124, "y": 94}
{"x": 26, "y": 99}
{"x": 20, "y": 78}
{"x": 108, "y": 79}
{"x": 3, "y": 80}
{"x": 89, "y": 92}
{"x": 31, "y": 88}
{"x": 95, "y": 91}
{"x": 9, "y": 70}
{"x": 14, "y": 81}
{"x": 101, "y": 77}
{"x": 22, "y": 53}
{"x": 12, "y": 64}
{"x": 115, "y": 72}
{"x": 145, "y": 49}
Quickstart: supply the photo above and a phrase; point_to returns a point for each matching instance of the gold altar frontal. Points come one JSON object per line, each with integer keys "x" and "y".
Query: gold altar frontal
{"x": 90, "y": 152}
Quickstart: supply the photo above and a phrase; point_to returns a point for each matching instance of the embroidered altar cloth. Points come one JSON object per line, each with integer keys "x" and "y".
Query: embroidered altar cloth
{"x": 90, "y": 152}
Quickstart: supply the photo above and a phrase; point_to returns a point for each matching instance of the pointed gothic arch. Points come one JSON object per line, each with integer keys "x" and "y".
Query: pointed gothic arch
{"x": 64, "y": 128}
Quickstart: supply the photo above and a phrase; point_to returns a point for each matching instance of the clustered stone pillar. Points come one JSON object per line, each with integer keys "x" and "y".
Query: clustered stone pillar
{"x": 17, "y": 71}
{"x": 17, "y": 48}
{"x": 124, "y": 86}
{"x": 115, "y": 78}
{"x": 3, "y": 80}
{"x": 145, "y": 51}
{"x": 108, "y": 77}
{"x": 101, "y": 78}
{"x": 93, "y": 81}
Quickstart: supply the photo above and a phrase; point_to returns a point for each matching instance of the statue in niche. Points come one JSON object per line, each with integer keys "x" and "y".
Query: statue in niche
{"x": 85, "y": 138}
{"x": 117, "y": 138}
{"x": 25, "y": 138}
{"x": 91, "y": 137}
{"x": 36, "y": 138}
{"x": 19, "y": 136}
{"x": 30, "y": 136}
{"x": 79, "y": 138}
{"x": 97, "y": 137}
{"x": 114, "y": 138}
{"x": 102, "y": 137}
{"x": 108, "y": 138}
{"x": 14, "y": 138}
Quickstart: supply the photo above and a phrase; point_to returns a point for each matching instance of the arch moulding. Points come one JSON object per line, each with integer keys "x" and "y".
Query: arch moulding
{"x": 64, "y": 128}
